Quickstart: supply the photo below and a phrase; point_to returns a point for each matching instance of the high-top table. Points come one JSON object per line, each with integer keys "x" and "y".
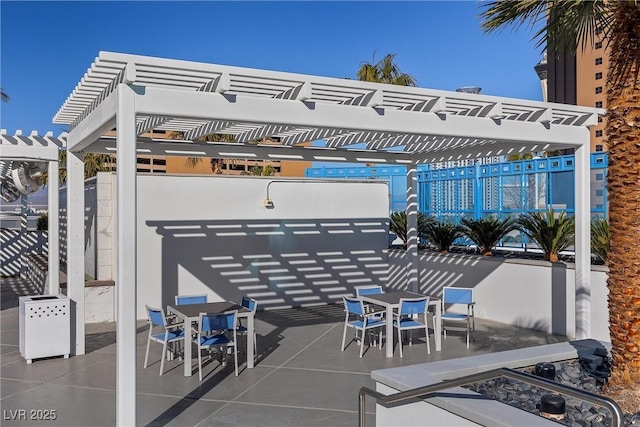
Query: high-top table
{"x": 191, "y": 313}
{"x": 391, "y": 301}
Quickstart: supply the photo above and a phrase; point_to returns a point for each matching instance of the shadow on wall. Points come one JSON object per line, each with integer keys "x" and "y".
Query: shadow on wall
{"x": 281, "y": 263}
{"x": 509, "y": 279}
{"x": 438, "y": 270}
{"x": 16, "y": 245}
{"x": 90, "y": 212}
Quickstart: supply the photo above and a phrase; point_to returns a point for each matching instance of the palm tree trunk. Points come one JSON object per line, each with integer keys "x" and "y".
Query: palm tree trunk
{"x": 623, "y": 186}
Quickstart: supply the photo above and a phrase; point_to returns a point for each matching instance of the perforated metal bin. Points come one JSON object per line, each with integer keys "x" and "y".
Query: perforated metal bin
{"x": 45, "y": 326}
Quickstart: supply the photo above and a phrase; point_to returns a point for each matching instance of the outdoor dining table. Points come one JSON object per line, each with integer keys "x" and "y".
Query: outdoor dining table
{"x": 190, "y": 313}
{"x": 391, "y": 301}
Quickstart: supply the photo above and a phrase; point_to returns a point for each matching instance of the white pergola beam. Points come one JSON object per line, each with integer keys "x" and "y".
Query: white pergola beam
{"x": 582, "y": 245}
{"x": 212, "y": 106}
{"x": 126, "y": 259}
{"x": 53, "y": 203}
{"x": 97, "y": 123}
{"x": 28, "y": 152}
{"x": 146, "y": 146}
{"x": 75, "y": 247}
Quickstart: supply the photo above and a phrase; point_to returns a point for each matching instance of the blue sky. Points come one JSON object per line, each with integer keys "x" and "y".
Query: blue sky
{"x": 46, "y": 47}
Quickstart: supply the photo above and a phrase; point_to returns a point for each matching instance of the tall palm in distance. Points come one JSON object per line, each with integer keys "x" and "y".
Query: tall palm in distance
{"x": 216, "y": 164}
{"x": 385, "y": 71}
{"x": 567, "y": 27}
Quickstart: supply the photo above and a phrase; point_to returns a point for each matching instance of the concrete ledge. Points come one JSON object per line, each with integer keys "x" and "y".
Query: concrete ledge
{"x": 457, "y": 405}
{"x": 92, "y": 283}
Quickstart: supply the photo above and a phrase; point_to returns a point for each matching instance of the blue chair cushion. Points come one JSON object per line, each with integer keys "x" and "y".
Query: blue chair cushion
{"x": 408, "y": 323}
{"x": 372, "y": 322}
{"x": 173, "y": 335}
{"x": 211, "y": 340}
{"x": 454, "y": 316}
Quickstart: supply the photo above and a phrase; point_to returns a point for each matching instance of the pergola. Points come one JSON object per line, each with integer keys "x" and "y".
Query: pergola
{"x": 34, "y": 147}
{"x": 399, "y": 125}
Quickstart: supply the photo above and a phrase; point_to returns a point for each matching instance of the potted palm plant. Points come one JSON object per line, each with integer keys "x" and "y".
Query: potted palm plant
{"x": 552, "y": 232}
{"x": 487, "y": 232}
{"x": 398, "y": 225}
{"x": 600, "y": 238}
{"x": 441, "y": 234}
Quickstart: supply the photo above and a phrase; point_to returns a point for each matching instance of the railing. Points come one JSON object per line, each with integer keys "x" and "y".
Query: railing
{"x": 411, "y": 396}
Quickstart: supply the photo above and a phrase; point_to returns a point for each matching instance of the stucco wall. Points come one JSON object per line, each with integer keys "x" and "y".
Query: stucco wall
{"x": 214, "y": 235}
{"x": 530, "y": 293}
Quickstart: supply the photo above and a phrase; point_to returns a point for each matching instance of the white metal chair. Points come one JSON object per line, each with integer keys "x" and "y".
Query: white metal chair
{"x": 370, "y": 290}
{"x": 191, "y": 299}
{"x": 213, "y": 332}
{"x": 252, "y": 305}
{"x": 452, "y": 300}
{"x": 408, "y": 318}
{"x": 356, "y": 318}
{"x": 171, "y": 334}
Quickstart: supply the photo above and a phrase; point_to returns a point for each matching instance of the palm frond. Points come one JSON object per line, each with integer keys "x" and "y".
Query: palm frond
{"x": 442, "y": 234}
{"x": 553, "y": 233}
{"x": 398, "y": 225}
{"x": 570, "y": 23}
{"x": 600, "y": 238}
{"x": 385, "y": 71}
{"x": 487, "y": 232}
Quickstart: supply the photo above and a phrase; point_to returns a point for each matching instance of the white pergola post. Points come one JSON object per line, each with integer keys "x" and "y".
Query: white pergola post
{"x": 54, "y": 229}
{"x": 583, "y": 241}
{"x": 75, "y": 246}
{"x": 413, "y": 276}
{"x": 126, "y": 235}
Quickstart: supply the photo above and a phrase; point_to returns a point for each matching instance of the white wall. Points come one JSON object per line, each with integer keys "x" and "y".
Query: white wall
{"x": 529, "y": 293}
{"x": 213, "y": 235}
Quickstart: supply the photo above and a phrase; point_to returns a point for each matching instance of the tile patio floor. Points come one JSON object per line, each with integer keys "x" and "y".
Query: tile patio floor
{"x": 301, "y": 377}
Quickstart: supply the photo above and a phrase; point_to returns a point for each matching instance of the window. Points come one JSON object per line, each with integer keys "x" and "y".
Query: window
{"x": 599, "y": 133}
{"x": 598, "y": 61}
{"x": 598, "y": 148}
{"x": 599, "y": 89}
{"x": 598, "y": 76}
{"x": 599, "y": 193}
{"x": 598, "y": 45}
{"x": 599, "y": 119}
{"x": 599, "y": 104}
{"x": 600, "y": 176}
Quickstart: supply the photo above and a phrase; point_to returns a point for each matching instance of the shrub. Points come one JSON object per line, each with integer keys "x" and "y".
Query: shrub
{"x": 600, "y": 238}
{"x": 398, "y": 225}
{"x": 553, "y": 233}
{"x": 487, "y": 232}
{"x": 442, "y": 234}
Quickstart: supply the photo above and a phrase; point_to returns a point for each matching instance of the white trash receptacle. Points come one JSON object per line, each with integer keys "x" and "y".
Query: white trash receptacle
{"x": 45, "y": 326}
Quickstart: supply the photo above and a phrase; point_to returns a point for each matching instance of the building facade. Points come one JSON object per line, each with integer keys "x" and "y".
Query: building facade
{"x": 580, "y": 79}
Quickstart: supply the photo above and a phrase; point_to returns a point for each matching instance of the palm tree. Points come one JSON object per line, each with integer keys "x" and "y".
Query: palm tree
{"x": 442, "y": 234}
{"x": 398, "y": 225}
{"x": 384, "y": 71}
{"x": 192, "y": 162}
{"x": 600, "y": 238}
{"x": 553, "y": 233}
{"x": 93, "y": 163}
{"x": 3, "y": 95}
{"x": 570, "y": 25}
{"x": 487, "y": 232}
